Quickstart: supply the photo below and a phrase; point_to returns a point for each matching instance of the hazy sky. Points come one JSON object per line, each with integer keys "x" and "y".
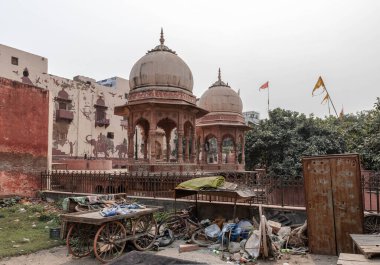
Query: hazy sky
{"x": 289, "y": 43}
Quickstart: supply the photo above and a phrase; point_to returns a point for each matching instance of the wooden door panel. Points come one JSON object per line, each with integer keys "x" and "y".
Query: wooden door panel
{"x": 347, "y": 198}
{"x": 319, "y": 205}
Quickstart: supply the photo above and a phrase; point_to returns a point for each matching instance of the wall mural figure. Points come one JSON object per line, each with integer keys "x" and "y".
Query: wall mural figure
{"x": 122, "y": 149}
{"x": 71, "y": 147}
{"x": 102, "y": 145}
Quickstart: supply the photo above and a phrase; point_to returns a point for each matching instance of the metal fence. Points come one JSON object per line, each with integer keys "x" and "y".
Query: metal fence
{"x": 285, "y": 191}
{"x": 371, "y": 191}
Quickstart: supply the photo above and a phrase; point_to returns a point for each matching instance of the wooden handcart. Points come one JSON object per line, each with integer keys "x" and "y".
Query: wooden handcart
{"x": 107, "y": 236}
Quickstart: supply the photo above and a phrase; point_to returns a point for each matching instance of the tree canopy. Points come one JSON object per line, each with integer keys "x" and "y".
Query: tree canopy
{"x": 279, "y": 142}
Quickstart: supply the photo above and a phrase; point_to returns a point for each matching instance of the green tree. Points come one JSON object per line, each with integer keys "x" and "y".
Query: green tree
{"x": 278, "y": 143}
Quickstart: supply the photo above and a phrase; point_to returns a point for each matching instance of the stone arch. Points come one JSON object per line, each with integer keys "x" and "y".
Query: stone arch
{"x": 140, "y": 138}
{"x": 211, "y": 149}
{"x": 228, "y": 148}
{"x": 169, "y": 128}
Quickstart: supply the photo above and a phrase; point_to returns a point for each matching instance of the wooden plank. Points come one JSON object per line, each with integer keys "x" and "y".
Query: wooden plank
{"x": 353, "y": 259}
{"x": 366, "y": 239}
{"x": 347, "y": 199}
{"x": 369, "y": 245}
{"x": 319, "y": 205}
{"x": 264, "y": 236}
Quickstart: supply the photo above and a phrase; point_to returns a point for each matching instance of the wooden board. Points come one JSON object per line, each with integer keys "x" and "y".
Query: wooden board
{"x": 355, "y": 259}
{"x": 319, "y": 207}
{"x": 333, "y": 202}
{"x": 94, "y": 217}
{"x": 369, "y": 245}
{"x": 347, "y": 199}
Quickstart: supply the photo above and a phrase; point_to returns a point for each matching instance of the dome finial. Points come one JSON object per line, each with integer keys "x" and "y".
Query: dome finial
{"x": 219, "y": 76}
{"x": 162, "y": 40}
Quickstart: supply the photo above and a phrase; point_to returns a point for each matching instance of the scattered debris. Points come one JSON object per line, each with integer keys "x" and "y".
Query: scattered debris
{"x": 187, "y": 248}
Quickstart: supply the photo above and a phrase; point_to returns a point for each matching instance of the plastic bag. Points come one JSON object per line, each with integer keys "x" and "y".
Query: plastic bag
{"x": 212, "y": 231}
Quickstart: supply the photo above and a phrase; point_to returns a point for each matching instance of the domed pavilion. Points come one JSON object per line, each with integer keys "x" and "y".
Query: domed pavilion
{"x": 221, "y": 131}
{"x": 162, "y": 111}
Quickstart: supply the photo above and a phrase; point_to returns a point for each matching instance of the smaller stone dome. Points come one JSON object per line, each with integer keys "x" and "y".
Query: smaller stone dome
{"x": 220, "y": 97}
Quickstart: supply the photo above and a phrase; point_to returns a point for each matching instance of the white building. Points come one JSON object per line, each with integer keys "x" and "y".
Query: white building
{"x": 83, "y": 119}
{"x": 251, "y": 117}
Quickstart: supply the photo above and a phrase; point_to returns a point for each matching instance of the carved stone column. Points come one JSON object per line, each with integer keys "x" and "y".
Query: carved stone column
{"x": 187, "y": 149}
{"x": 219, "y": 144}
{"x": 180, "y": 147}
{"x": 152, "y": 139}
{"x": 167, "y": 135}
{"x": 194, "y": 147}
{"x": 145, "y": 147}
{"x": 243, "y": 151}
{"x": 130, "y": 147}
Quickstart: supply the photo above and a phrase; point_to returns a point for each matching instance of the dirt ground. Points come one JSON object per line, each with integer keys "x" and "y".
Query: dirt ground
{"x": 59, "y": 255}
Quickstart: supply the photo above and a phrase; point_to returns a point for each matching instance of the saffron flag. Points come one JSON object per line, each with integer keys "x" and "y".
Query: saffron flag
{"x": 265, "y": 85}
{"x": 326, "y": 98}
{"x": 318, "y": 85}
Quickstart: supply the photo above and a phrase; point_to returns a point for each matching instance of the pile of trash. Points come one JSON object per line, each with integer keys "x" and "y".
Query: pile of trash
{"x": 94, "y": 202}
{"x": 240, "y": 241}
{"x": 120, "y": 209}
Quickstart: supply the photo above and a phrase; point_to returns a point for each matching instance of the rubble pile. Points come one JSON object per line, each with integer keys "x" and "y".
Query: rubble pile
{"x": 238, "y": 241}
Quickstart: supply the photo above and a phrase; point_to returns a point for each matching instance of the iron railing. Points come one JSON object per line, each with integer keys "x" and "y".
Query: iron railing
{"x": 282, "y": 191}
{"x": 287, "y": 191}
{"x": 371, "y": 191}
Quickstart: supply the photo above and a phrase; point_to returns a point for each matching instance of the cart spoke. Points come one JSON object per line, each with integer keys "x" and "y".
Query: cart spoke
{"x": 105, "y": 241}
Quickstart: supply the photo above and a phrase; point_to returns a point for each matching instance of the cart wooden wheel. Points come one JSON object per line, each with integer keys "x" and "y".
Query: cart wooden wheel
{"x": 146, "y": 226}
{"x": 79, "y": 239}
{"x": 109, "y": 241}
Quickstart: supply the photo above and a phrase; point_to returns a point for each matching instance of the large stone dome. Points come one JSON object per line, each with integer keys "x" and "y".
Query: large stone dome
{"x": 161, "y": 67}
{"x": 220, "y": 97}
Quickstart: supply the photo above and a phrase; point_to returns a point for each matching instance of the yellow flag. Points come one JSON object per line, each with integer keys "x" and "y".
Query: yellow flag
{"x": 326, "y": 98}
{"x": 318, "y": 85}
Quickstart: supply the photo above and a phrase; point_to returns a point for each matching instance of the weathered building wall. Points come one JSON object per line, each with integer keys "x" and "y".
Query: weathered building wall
{"x": 24, "y": 121}
{"x": 13, "y": 63}
{"x": 84, "y": 133}
{"x": 77, "y": 130}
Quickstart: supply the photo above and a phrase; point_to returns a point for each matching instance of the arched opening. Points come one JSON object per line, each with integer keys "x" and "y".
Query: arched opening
{"x": 166, "y": 140}
{"x": 228, "y": 149}
{"x": 211, "y": 150}
{"x": 140, "y": 139}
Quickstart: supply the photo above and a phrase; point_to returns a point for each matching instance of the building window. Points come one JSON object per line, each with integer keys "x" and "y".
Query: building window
{"x": 14, "y": 60}
{"x": 100, "y": 114}
{"x": 62, "y": 105}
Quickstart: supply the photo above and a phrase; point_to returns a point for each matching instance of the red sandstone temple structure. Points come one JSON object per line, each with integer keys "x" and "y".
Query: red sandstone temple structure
{"x": 177, "y": 132}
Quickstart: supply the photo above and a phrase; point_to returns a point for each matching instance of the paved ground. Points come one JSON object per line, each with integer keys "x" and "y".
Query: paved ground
{"x": 59, "y": 256}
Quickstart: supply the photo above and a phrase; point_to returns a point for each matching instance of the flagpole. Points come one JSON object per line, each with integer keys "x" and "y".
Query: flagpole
{"x": 268, "y": 101}
{"x": 336, "y": 113}
{"x": 328, "y": 104}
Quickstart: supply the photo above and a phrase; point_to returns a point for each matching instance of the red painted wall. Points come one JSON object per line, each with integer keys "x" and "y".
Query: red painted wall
{"x": 24, "y": 119}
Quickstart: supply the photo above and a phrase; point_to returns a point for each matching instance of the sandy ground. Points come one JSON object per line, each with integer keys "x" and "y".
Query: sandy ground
{"x": 59, "y": 255}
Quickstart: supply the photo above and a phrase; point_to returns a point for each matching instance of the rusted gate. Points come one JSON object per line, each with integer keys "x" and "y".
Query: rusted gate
{"x": 333, "y": 202}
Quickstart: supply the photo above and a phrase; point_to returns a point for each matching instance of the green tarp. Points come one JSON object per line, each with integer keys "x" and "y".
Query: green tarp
{"x": 202, "y": 183}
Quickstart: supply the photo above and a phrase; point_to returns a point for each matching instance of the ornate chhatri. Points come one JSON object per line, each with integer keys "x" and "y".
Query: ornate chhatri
{"x": 168, "y": 131}
{"x": 161, "y": 111}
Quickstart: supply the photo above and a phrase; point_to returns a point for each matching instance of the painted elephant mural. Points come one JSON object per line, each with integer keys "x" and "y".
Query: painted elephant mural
{"x": 101, "y": 145}
{"x": 122, "y": 149}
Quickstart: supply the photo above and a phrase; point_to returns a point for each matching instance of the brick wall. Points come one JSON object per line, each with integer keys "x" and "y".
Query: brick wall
{"x": 24, "y": 119}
